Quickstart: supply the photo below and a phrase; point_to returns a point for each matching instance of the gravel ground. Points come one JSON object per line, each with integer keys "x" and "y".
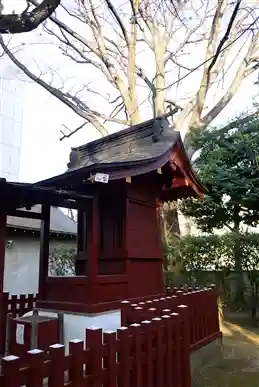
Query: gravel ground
{"x": 240, "y": 363}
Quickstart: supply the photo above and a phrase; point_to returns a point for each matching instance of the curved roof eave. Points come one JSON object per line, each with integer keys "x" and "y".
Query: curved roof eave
{"x": 123, "y": 169}
{"x": 117, "y": 170}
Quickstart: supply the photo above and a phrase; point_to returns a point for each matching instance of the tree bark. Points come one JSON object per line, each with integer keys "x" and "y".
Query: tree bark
{"x": 170, "y": 227}
{"x": 254, "y": 301}
{"x": 239, "y": 301}
{"x": 27, "y": 21}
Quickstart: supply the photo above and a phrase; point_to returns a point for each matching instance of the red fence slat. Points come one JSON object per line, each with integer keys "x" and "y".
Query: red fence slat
{"x": 137, "y": 374}
{"x": 124, "y": 357}
{"x": 185, "y": 346}
{"x": 10, "y": 370}
{"x": 76, "y": 370}
{"x": 95, "y": 346}
{"x": 57, "y": 361}
{"x": 168, "y": 376}
{"x": 36, "y": 361}
{"x": 148, "y": 375}
{"x": 177, "y": 343}
{"x": 110, "y": 363}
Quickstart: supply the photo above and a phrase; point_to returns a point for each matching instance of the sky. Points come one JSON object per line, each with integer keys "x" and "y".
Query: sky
{"x": 42, "y": 153}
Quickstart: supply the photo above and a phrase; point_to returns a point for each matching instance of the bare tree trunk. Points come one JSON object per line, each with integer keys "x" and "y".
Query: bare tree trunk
{"x": 172, "y": 220}
{"x": 134, "y": 116}
{"x": 170, "y": 227}
{"x": 160, "y": 75}
{"x": 237, "y": 254}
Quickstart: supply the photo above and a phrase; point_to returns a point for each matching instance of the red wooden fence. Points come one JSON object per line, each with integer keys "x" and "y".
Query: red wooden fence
{"x": 203, "y": 312}
{"x": 16, "y": 306}
{"x": 151, "y": 349}
{"x": 153, "y": 353}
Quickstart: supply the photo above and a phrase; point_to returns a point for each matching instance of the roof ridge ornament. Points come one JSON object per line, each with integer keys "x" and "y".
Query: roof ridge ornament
{"x": 73, "y": 157}
{"x": 158, "y": 128}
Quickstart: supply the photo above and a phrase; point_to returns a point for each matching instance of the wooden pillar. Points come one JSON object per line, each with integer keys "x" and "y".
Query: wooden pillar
{"x": 2, "y": 249}
{"x": 126, "y": 243}
{"x": 81, "y": 231}
{"x": 93, "y": 261}
{"x": 81, "y": 256}
{"x": 44, "y": 251}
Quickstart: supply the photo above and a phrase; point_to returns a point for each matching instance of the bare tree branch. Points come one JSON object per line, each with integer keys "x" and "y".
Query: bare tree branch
{"x": 118, "y": 19}
{"x": 70, "y": 132}
{"x": 140, "y": 48}
{"x": 27, "y": 21}
{"x": 74, "y": 103}
{"x": 204, "y": 85}
{"x": 224, "y": 39}
{"x": 67, "y": 43}
{"x": 242, "y": 72}
{"x": 190, "y": 113}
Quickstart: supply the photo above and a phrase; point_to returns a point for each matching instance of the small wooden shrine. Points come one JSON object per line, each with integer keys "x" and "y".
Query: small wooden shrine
{"x": 117, "y": 184}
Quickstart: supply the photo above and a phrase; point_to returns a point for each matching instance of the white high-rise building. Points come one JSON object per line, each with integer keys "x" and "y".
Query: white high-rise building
{"x": 11, "y": 106}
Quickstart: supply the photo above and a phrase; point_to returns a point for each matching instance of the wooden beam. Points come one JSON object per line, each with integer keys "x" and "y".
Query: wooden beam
{"x": 93, "y": 260}
{"x": 25, "y": 214}
{"x": 44, "y": 251}
{"x": 80, "y": 232}
{"x": 178, "y": 182}
{"x": 2, "y": 250}
{"x": 68, "y": 203}
{"x": 2, "y": 295}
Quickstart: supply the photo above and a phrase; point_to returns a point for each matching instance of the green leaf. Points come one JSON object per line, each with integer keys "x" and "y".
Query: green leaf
{"x": 228, "y": 168}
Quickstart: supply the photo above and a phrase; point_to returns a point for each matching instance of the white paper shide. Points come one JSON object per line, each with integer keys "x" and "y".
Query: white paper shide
{"x": 20, "y": 334}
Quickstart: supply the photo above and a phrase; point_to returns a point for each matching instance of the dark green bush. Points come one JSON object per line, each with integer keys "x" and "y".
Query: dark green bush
{"x": 209, "y": 259}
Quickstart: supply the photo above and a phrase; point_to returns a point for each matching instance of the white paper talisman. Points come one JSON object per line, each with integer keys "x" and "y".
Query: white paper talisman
{"x": 20, "y": 334}
{"x": 101, "y": 178}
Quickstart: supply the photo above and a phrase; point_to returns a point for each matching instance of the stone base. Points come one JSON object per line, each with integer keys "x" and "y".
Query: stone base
{"x": 76, "y": 323}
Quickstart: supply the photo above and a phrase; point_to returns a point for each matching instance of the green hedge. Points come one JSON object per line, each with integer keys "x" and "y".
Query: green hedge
{"x": 202, "y": 260}
{"x": 213, "y": 252}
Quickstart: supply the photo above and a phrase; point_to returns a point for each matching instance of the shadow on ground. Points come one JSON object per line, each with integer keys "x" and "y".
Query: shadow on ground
{"x": 240, "y": 362}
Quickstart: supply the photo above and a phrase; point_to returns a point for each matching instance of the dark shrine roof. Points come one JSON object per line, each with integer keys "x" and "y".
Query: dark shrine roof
{"x": 135, "y": 144}
{"x": 137, "y": 150}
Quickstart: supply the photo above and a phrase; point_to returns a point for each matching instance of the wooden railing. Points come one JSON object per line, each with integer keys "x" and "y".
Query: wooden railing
{"x": 153, "y": 353}
{"x": 152, "y": 348}
{"x": 16, "y": 306}
{"x": 202, "y": 308}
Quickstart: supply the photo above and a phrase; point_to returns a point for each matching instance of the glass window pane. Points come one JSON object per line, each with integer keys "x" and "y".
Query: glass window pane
{"x": 18, "y": 110}
{"x": 14, "y": 161}
{"x": 16, "y": 134}
{"x": 5, "y": 158}
{"x": 7, "y": 130}
{"x": 8, "y": 103}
